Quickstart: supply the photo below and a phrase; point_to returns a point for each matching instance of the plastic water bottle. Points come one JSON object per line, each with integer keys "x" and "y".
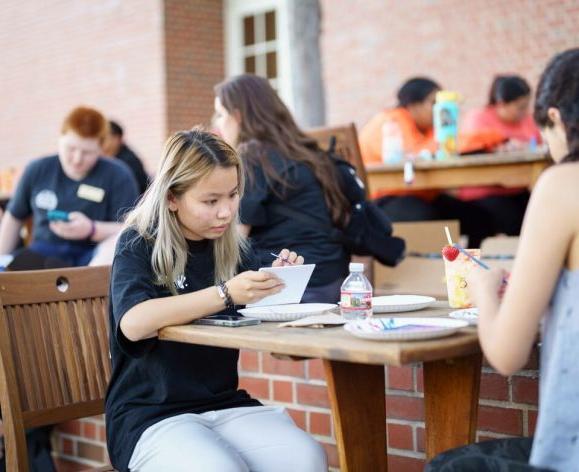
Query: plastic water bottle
{"x": 356, "y": 294}
{"x": 392, "y": 143}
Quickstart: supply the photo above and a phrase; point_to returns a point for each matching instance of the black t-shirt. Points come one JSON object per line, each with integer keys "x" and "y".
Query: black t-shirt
{"x": 105, "y": 194}
{"x": 271, "y": 232}
{"x": 152, "y": 379}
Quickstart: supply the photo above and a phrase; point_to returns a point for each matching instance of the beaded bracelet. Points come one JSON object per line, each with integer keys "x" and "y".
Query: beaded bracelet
{"x": 224, "y": 294}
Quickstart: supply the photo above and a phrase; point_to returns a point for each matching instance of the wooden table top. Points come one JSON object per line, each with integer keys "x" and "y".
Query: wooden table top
{"x": 473, "y": 160}
{"x": 331, "y": 343}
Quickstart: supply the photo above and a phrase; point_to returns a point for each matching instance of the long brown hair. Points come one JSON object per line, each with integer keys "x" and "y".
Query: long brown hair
{"x": 267, "y": 123}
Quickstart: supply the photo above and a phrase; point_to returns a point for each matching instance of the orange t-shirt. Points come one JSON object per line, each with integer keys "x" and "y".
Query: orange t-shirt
{"x": 413, "y": 141}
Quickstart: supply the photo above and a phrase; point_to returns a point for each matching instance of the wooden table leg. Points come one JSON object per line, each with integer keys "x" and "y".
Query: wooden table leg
{"x": 451, "y": 391}
{"x": 357, "y": 397}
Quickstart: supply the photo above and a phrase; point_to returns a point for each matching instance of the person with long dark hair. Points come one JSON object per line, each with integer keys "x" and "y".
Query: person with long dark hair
{"x": 507, "y": 113}
{"x": 542, "y": 291}
{"x": 284, "y": 167}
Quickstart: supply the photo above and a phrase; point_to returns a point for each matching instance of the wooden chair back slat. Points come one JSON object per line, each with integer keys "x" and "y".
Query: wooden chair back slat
{"x": 347, "y": 145}
{"x": 54, "y": 356}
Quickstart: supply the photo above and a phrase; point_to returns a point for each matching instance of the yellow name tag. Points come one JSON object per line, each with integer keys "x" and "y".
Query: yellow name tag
{"x": 88, "y": 192}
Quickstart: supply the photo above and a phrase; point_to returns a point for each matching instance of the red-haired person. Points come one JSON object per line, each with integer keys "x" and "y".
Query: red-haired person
{"x": 90, "y": 191}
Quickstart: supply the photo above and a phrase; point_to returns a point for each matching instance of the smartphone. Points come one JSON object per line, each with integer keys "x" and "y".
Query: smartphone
{"x": 57, "y": 215}
{"x": 231, "y": 321}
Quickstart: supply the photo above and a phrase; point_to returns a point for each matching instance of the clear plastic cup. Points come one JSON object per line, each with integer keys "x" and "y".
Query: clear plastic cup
{"x": 456, "y": 273}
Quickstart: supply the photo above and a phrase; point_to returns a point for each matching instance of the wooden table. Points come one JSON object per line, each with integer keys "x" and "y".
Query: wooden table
{"x": 510, "y": 169}
{"x": 356, "y": 383}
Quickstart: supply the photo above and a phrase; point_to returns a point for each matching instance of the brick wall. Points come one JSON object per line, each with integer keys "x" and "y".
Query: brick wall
{"x": 61, "y": 53}
{"x": 195, "y": 61}
{"x": 368, "y": 52}
{"x": 507, "y": 407}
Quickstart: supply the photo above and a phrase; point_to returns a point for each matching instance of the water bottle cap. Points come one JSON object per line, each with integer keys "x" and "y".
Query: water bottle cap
{"x": 447, "y": 96}
{"x": 356, "y": 267}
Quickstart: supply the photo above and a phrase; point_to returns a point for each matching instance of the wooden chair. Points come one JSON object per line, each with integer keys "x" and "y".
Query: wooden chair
{"x": 54, "y": 354}
{"x": 346, "y": 145}
{"x": 417, "y": 274}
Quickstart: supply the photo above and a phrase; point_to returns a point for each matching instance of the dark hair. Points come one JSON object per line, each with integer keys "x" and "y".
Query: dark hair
{"x": 559, "y": 88}
{"x": 266, "y": 124}
{"x": 115, "y": 128}
{"x": 416, "y": 90}
{"x": 508, "y": 88}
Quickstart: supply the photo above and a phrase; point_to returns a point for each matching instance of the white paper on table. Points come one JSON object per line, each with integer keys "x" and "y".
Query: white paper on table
{"x": 295, "y": 278}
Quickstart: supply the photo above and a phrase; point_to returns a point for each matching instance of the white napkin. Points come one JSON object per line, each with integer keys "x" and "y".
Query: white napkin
{"x": 315, "y": 321}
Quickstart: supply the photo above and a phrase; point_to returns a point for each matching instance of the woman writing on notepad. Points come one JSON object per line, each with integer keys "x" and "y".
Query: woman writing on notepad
{"x": 284, "y": 168}
{"x": 173, "y": 406}
{"x": 542, "y": 288}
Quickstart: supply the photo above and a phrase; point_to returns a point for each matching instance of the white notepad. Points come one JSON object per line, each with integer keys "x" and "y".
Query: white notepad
{"x": 295, "y": 278}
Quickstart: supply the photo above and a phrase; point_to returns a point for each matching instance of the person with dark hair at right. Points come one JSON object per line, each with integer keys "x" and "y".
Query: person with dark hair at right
{"x": 541, "y": 294}
{"x": 507, "y": 113}
{"x": 115, "y": 146}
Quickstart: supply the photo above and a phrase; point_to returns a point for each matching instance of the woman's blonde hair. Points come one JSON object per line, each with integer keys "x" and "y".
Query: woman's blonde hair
{"x": 188, "y": 157}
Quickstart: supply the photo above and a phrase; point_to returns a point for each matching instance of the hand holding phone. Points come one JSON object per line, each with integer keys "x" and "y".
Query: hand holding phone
{"x": 57, "y": 215}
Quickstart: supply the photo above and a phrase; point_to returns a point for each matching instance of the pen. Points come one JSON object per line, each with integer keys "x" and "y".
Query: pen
{"x": 284, "y": 259}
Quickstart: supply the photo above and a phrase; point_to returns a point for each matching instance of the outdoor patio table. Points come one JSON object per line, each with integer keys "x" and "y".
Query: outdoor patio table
{"x": 510, "y": 169}
{"x": 356, "y": 383}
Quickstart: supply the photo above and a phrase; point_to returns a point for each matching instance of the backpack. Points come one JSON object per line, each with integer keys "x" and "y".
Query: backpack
{"x": 368, "y": 232}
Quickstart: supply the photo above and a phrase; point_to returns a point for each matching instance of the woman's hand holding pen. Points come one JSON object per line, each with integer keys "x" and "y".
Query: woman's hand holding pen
{"x": 286, "y": 257}
{"x": 252, "y": 286}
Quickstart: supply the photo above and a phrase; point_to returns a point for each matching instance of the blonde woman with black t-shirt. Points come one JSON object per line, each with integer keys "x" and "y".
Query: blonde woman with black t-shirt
{"x": 173, "y": 406}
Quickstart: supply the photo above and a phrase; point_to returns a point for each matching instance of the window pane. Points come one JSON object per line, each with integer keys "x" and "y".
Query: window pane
{"x": 248, "y": 31}
{"x": 271, "y": 70}
{"x": 250, "y": 65}
{"x": 270, "y": 26}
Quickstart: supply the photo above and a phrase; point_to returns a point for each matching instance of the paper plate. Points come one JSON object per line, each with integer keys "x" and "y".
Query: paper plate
{"x": 403, "y": 329}
{"x": 400, "y": 303}
{"x": 467, "y": 314}
{"x": 289, "y": 312}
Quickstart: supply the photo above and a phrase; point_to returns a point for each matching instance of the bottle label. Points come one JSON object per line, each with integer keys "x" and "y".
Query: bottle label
{"x": 356, "y": 300}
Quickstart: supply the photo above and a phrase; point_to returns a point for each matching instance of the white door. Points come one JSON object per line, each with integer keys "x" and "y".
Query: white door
{"x": 256, "y": 41}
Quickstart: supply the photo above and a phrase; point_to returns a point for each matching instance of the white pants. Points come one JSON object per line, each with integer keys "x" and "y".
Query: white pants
{"x": 256, "y": 439}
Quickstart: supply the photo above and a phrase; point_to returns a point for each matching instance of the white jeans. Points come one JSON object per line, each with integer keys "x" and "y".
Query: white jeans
{"x": 256, "y": 439}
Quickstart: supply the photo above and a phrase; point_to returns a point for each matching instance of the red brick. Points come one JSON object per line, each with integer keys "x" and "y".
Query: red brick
{"x": 420, "y": 439}
{"x": 89, "y": 430}
{"x": 405, "y": 464}
{"x": 272, "y": 365}
{"x": 332, "y": 454}
{"x": 400, "y": 378}
{"x": 91, "y": 451}
{"x": 525, "y": 390}
{"x": 320, "y": 423}
{"x": 419, "y": 380}
{"x": 299, "y": 417}
{"x": 494, "y": 387}
{"x": 67, "y": 447}
{"x": 407, "y": 408}
{"x": 63, "y": 465}
{"x": 500, "y": 420}
{"x": 102, "y": 433}
{"x": 283, "y": 391}
{"x": 400, "y": 436}
{"x": 316, "y": 370}
{"x": 71, "y": 427}
{"x": 314, "y": 395}
{"x": 532, "y": 418}
{"x": 256, "y": 387}
{"x": 249, "y": 361}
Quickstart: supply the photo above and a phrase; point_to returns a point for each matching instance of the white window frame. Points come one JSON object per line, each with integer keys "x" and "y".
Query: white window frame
{"x": 234, "y": 11}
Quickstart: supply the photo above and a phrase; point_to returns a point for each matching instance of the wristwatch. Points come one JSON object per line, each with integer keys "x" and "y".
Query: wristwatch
{"x": 224, "y": 294}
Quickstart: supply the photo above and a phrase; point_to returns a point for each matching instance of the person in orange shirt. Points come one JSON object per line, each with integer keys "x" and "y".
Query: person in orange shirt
{"x": 507, "y": 113}
{"x": 414, "y": 119}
